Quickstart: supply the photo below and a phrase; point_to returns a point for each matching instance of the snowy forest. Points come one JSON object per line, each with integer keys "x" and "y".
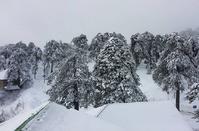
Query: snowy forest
{"x": 83, "y": 74}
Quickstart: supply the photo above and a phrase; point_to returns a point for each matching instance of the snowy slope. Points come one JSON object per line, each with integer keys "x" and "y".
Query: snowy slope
{"x": 57, "y": 118}
{"x": 155, "y": 93}
{"x": 3, "y": 74}
{"x": 28, "y": 99}
{"x": 152, "y": 91}
{"x": 146, "y": 116}
{"x": 13, "y": 123}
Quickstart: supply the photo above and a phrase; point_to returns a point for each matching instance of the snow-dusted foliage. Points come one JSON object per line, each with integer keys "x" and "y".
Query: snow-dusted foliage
{"x": 114, "y": 75}
{"x": 177, "y": 68}
{"x": 81, "y": 42}
{"x": 18, "y": 68}
{"x": 72, "y": 87}
{"x": 49, "y": 58}
{"x": 193, "y": 95}
{"x": 2, "y": 62}
{"x": 35, "y": 57}
{"x": 146, "y": 47}
{"x": 99, "y": 41}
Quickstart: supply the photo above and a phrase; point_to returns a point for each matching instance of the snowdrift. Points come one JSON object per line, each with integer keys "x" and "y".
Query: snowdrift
{"x": 145, "y": 116}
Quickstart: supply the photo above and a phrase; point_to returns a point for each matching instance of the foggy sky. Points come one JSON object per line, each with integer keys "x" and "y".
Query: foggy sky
{"x": 42, "y": 20}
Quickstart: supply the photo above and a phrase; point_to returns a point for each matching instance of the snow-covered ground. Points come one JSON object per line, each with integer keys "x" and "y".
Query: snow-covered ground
{"x": 57, "y": 118}
{"x": 27, "y": 99}
{"x": 155, "y": 93}
{"x": 16, "y": 121}
{"x": 146, "y": 116}
{"x": 152, "y": 91}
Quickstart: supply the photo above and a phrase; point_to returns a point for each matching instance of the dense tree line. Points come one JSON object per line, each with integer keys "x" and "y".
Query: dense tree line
{"x": 172, "y": 60}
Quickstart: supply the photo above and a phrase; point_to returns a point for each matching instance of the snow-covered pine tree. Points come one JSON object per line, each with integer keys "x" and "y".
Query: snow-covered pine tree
{"x": 30, "y": 48}
{"x": 145, "y": 47}
{"x": 137, "y": 48}
{"x": 2, "y": 62}
{"x": 18, "y": 68}
{"x": 99, "y": 41}
{"x": 72, "y": 86}
{"x": 176, "y": 69}
{"x": 35, "y": 57}
{"x": 81, "y": 42}
{"x": 193, "y": 95}
{"x": 114, "y": 76}
{"x": 49, "y": 58}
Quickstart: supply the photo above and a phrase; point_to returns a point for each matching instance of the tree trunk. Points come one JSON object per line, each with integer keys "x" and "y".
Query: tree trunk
{"x": 44, "y": 71}
{"x": 76, "y": 95}
{"x": 177, "y": 97}
{"x": 76, "y": 102}
{"x": 51, "y": 70}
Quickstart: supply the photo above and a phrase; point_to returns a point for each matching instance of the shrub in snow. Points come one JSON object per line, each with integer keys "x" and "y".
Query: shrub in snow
{"x": 176, "y": 69}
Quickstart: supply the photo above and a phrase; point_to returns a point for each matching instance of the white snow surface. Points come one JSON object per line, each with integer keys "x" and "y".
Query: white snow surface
{"x": 15, "y": 122}
{"x": 3, "y": 74}
{"x": 27, "y": 101}
{"x": 146, "y": 116}
{"x": 152, "y": 91}
{"x": 57, "y": 118}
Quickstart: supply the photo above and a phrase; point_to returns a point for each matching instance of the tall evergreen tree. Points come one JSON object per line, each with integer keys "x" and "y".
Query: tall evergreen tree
{"x": 99, "y": 41}
{"x": 35, "y": 57}
{"x": 193, "y": 95}
{"x": 176, "y": 69}
{"x": 49, "y": 58}
{"x": 81, "y": 42}
{"x": 72, "y": 87}
{"x": 114, "y": 75}
{"x": 2, "y": 62}
{"x": 18, "y": 68}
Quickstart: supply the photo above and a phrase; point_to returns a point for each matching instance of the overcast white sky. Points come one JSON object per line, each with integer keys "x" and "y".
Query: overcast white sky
{"x": 42, "y": 20}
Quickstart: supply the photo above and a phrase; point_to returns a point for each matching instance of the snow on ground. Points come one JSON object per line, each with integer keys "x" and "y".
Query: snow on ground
{"x": 3, "y": 74}
{"x": 13, "y": 123}
{"x": 94, "y": 111}
{"x": 28, "y": 99}
{"x": 155, "y": 93}
{"x": 57, "y": 118}
{"x": 152, "y": 91}
{"x": 91, "y": 65}
{"x": 146, "y": 116}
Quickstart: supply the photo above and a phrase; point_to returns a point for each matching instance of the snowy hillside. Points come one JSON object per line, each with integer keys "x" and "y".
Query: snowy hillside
{"x": 57, "y": 118}
{"x": 146, "y": 116}
{"x": 27, "y": 99}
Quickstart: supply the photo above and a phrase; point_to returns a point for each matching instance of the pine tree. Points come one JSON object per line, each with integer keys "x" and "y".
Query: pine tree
{"x": 137, "y": 48}
{"x": 146, "y": 47}
{"x": 72, "y": 86}
{"x": 99, "y": 41}
{"x": 81, "y": 42}
{"x": 114, "y": 75}
{"x": 35, "y": 57}
{"x": 193, "y": 95}
{"x": 18, "y": 68}
{"x": 2, "y": 62}
{"x": 176, "y": 69}
{"x": 49, "y": 57}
